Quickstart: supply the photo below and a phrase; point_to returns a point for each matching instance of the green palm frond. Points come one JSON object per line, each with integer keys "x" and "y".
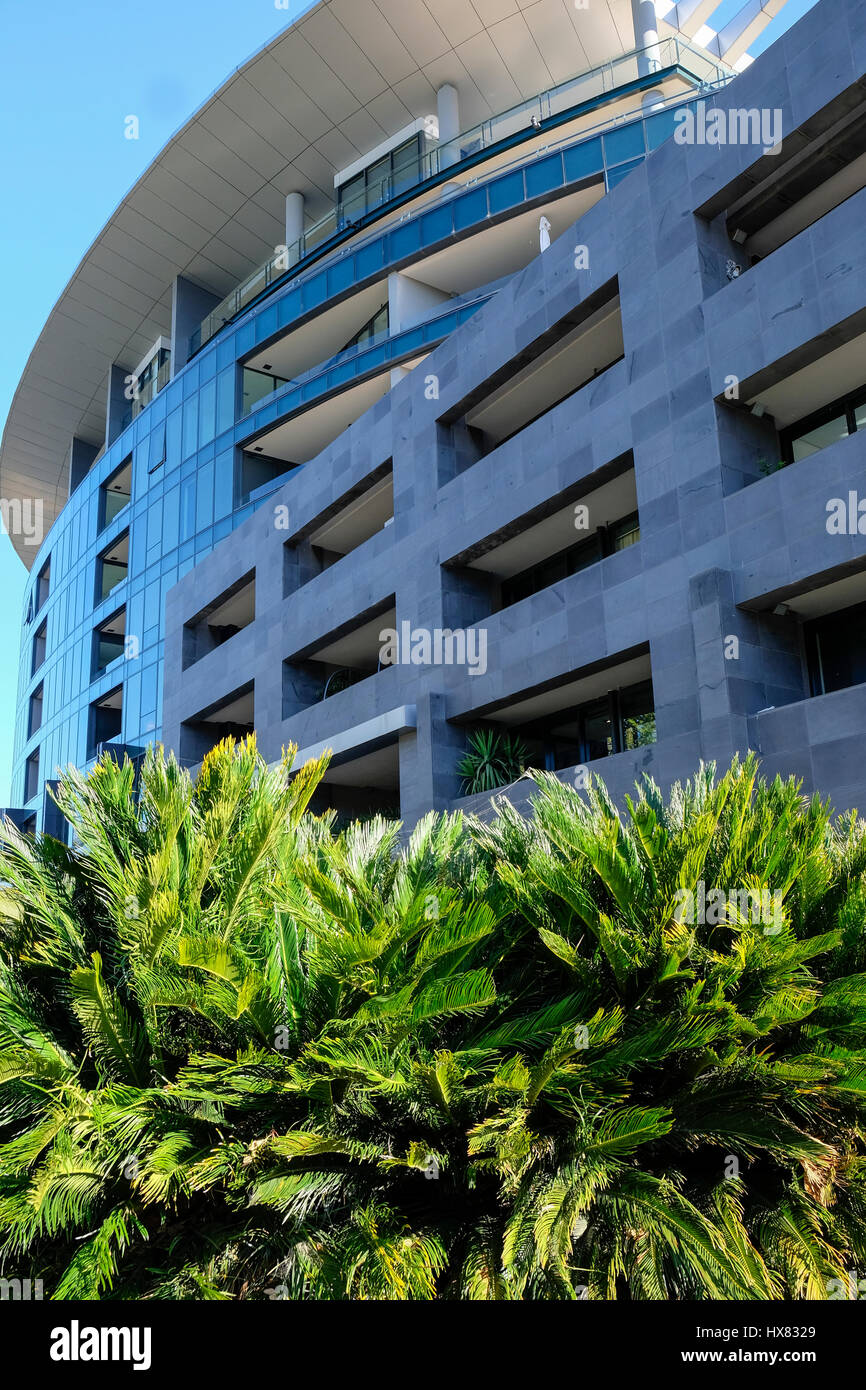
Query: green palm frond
{"x": 244, "y": 1054}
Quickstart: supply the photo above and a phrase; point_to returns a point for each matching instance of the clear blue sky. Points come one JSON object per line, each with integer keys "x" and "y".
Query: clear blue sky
{"x": 72, "y": 72}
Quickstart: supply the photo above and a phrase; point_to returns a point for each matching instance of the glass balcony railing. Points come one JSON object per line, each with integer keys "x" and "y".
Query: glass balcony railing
{"x": 374, "y": 354}
{"x": 147, "y": 389}
{"x": 548, "y": 109}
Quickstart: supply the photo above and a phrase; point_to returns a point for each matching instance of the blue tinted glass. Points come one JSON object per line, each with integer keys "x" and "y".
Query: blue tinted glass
{"x": 470, "y": 208}
{"x": 507, "y": 192}
{"x": 436, "y": 225}
{"x": 173, "y": 439}
{"x": 583, "y": 160}
{"x": 171, "y": 518}
{"x": 660, "y": 128}
{"x": 413, "y": 339}
{"x": 289, "y": 307}
{"x": 187, "y": 509}
{"x": 190, "y": 427}
{"x": 266, "y": 323}
{"x": 204, "y": 498}
{"x": 405, "y": 240}
{"x": 625, "y": 143}
{"x": 369, "y": 259}
{"x": 544, "y": 176}
{"x": 616, "y": 176}
{"x": 223, "y": 483}
{"x": 341, "y": 276}
{"x": 335, "y": 377}
{"x": 225, "y": 399}
{"x": 207, "y": 364}
{"x": 207, "y": 413}
{"x": 315, "y": 291}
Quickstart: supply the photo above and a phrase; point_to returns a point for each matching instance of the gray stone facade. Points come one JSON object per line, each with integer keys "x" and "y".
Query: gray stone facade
{"x": 722, "y": 547}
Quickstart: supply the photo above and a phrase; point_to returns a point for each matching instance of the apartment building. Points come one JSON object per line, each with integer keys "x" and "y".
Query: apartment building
{"x": 499, "y": 371}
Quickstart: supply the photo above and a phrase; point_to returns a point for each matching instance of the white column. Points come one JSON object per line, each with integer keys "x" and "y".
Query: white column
{"x": 448, "y": 110}
{"x": 409, "y": 302}
{"x": 646, "y": 37}
{"x": 294, "y": 217}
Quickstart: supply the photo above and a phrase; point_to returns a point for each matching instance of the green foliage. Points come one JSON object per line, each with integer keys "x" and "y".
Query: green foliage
{"x": 493, "y": 759}
{"x": 246, "y": 1056}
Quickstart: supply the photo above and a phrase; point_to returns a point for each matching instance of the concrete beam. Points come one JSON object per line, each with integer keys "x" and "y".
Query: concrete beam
{"x": 117, "y": 403}
{"x": 81, "y": 456}
{"x": 190, "y": 303}
{"x": 362, "y": 737}
{"x": 691, "y": 15}
{"x": 732, "y": 41}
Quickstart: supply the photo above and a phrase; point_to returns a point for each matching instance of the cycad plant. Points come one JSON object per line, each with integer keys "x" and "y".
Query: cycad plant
{"x": 244, "y": 1056}
{"x": 493, "y": 759}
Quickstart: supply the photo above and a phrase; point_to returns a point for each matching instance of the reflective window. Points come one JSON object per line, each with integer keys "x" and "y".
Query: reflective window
{"x": 820, "y": 437}
{"x": 115, "y": 493}
{"x": 112, "y": 567}
{"x": 843, "y": 416}
{"x": 40, "y": 639}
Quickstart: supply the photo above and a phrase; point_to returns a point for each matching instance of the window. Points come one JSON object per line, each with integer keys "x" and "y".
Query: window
{"x": 836, "y": 650}
{"x": 115, "y": 493}
{"x": 227, "y": 615}
{"x": 153, "y": 378}
{"x": 40, "y": 642}
{"x": 109, "y": 641}
{"x": 254, "y": 471}
{"x": 614, "y": 723}
{"x": 43, "y": 584}
{"x": 156, "y": 455}
{"x": 846, "y": 415}
{"x": 112, "y": 567}
{"x": 605, "y": 541}
{"x": 34, "y": 722}
{"x": 233, "y": 717}
{"x": 31, "y": 776}
{"x": 106, "y": 720}
{"x": 624, "y": 533}
{"x": 392, "y": 174}
{"x": 637, "y": 716}
{"x": 257, "y": 385}
{"x": 560, "y": 362}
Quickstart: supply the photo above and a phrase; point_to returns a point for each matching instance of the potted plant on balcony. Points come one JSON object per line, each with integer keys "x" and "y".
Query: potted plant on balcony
{"x": 493, "y": 759}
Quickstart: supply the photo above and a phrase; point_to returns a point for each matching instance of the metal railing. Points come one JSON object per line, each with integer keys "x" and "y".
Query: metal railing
{"x": 146, "y": 394}
{"x": 526, "y": 119}
{"x": 426, "y": 329}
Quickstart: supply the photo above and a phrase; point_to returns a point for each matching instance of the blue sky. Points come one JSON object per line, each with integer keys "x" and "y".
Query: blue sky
{"x": 72, "y": 73}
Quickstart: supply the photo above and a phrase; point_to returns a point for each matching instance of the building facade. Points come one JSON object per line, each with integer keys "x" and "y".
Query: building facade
{"x": 548, "y": 423}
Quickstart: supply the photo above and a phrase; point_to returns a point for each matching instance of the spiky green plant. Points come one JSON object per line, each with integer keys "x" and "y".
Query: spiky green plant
{"x": 493, "y": 759}
{"x": 246, "y": 1057}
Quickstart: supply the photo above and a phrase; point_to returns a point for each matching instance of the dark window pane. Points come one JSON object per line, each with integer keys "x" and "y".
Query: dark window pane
{"x": 820, "y": 437}
{"x": 597, "y": 731}
{"x": 625, "y": 533}
{"x": 637, "y": 712}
